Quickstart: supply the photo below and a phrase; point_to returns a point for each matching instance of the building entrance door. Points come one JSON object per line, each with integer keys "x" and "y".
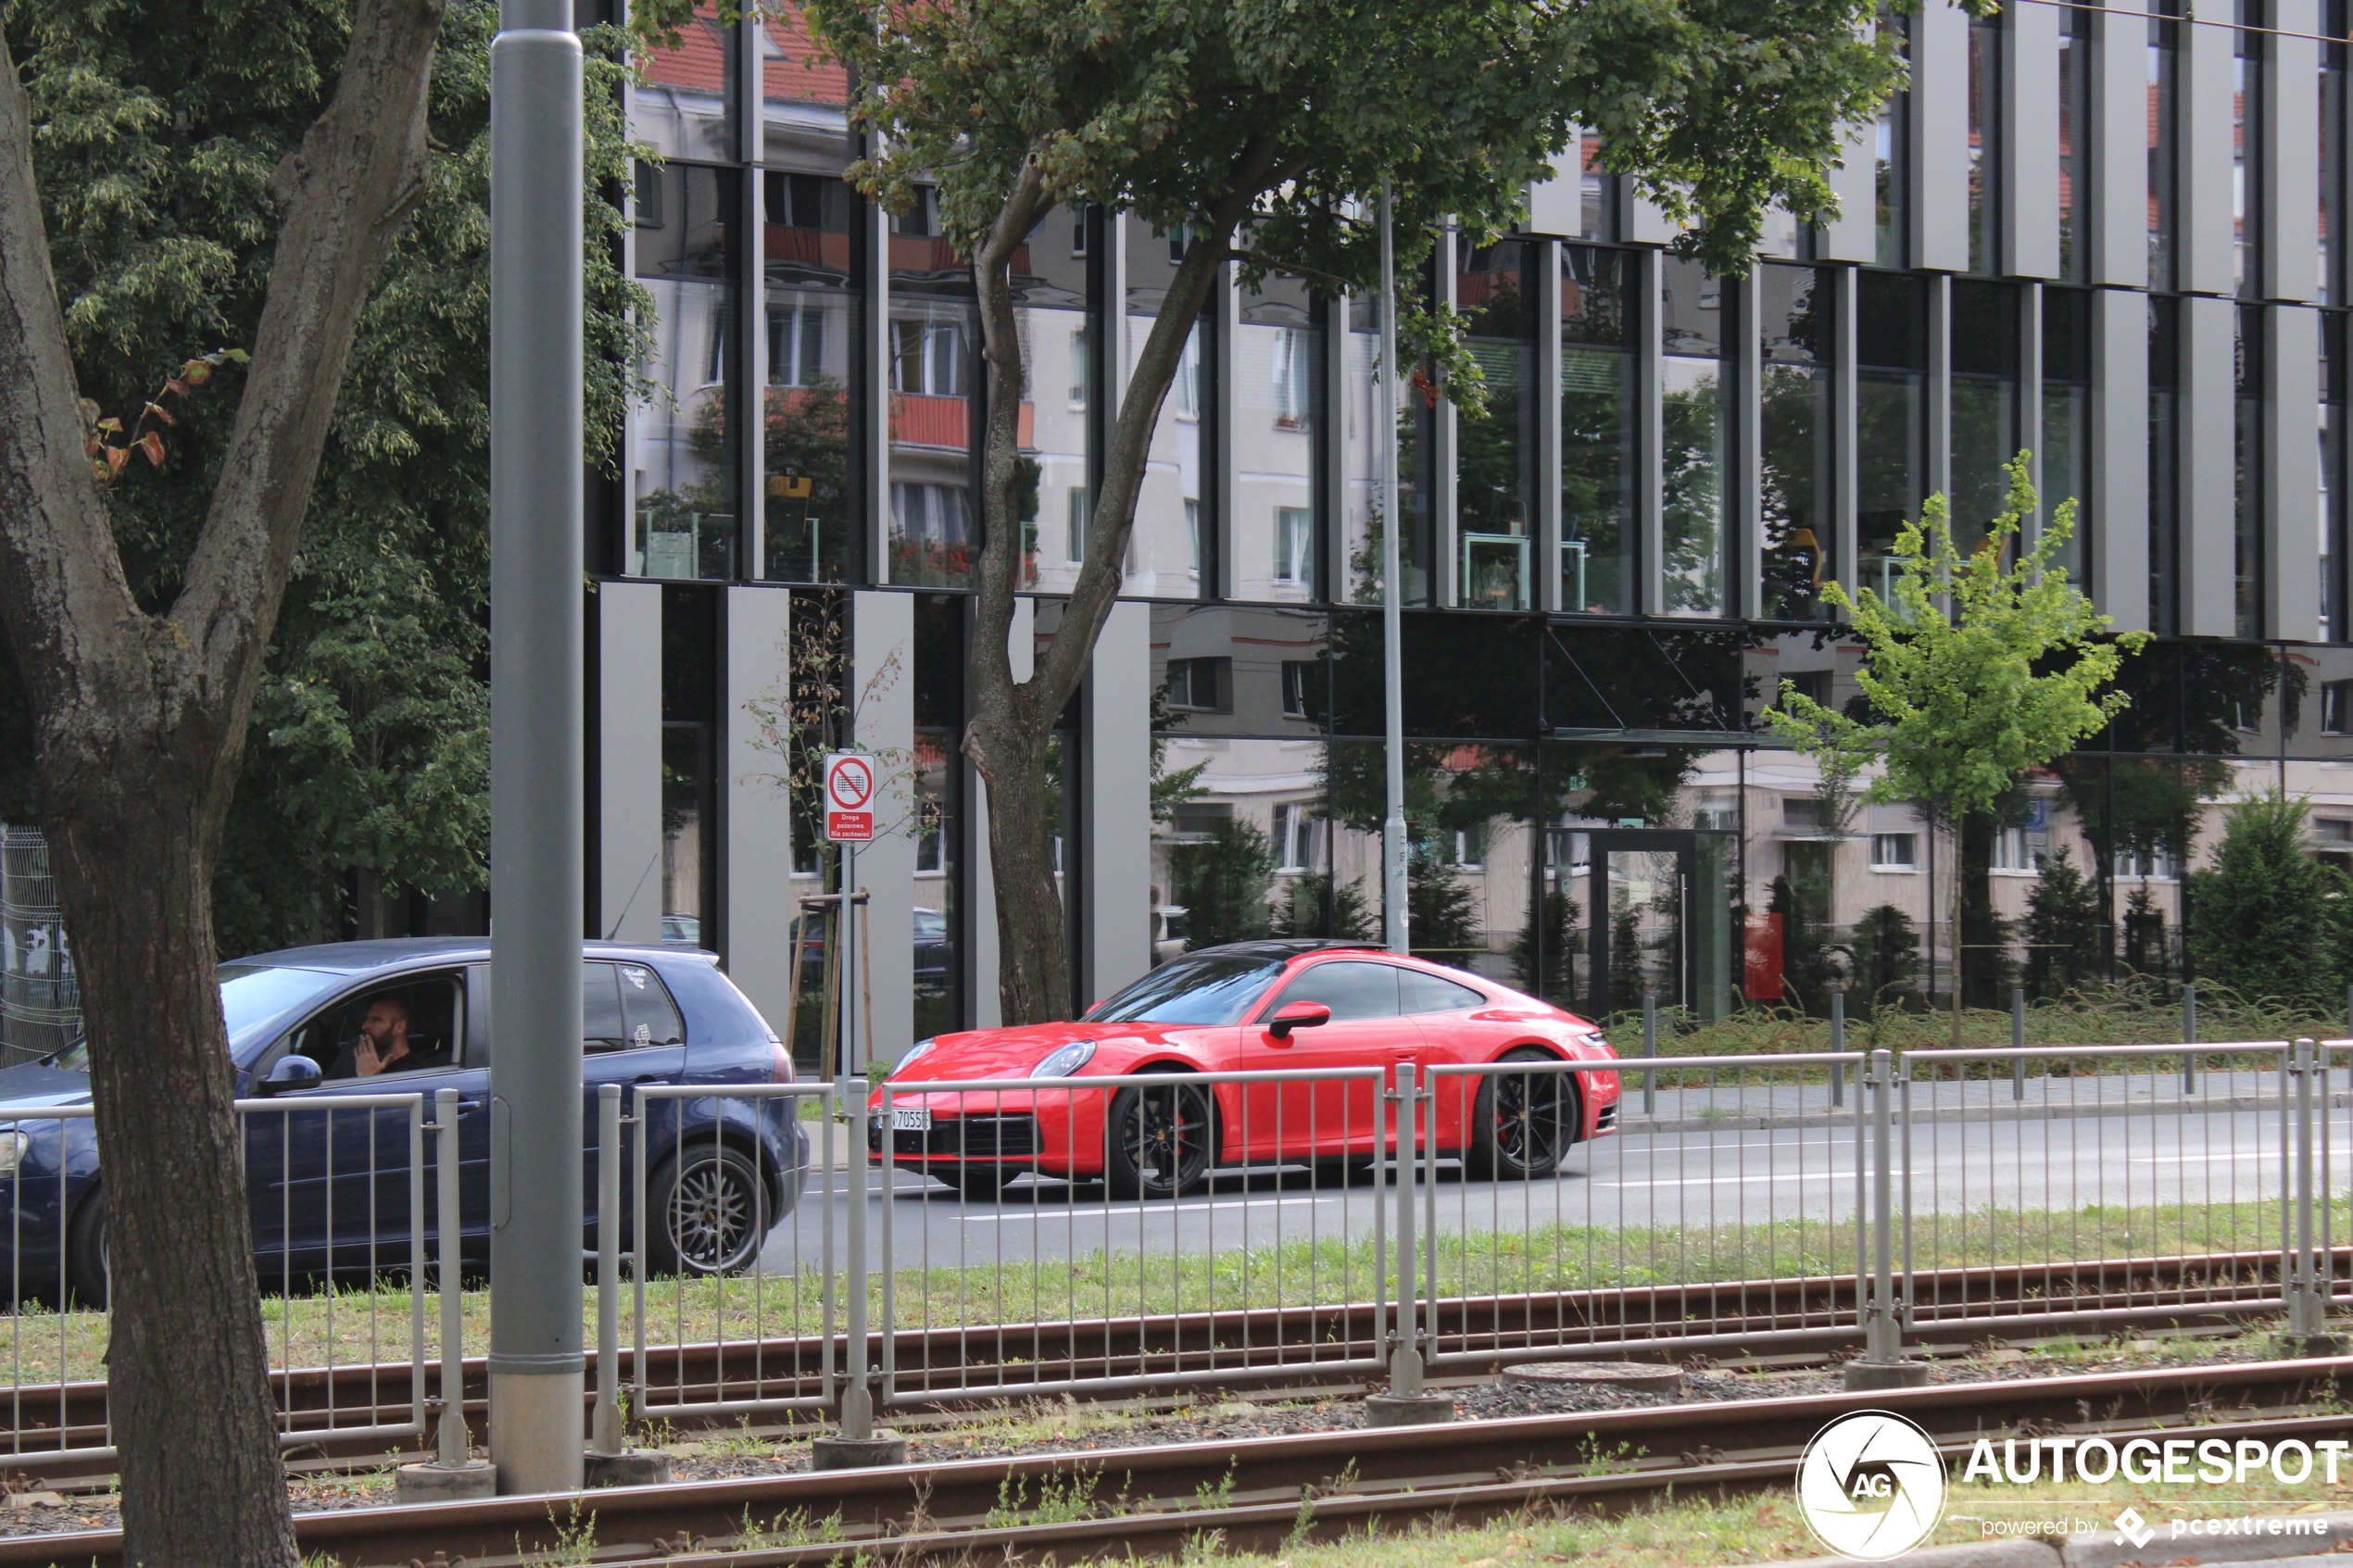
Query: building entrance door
{"x": 1660, "y": 920}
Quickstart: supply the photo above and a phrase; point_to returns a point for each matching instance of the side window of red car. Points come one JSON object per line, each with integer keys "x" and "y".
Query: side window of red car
{"x": 1352, "y": 989}
{"x": 1428, "y": 993}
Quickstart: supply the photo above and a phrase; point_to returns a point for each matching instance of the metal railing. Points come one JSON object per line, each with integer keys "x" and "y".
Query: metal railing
{"x": 336, "y": 1188}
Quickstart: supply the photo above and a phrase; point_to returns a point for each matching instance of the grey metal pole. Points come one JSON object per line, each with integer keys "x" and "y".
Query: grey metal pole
{"x": 2018, "y": 1041}
{"x": 1392, "y": 619}
{"x": 846, "y": 927}
{"x": 605, "y": 1433}
{"x": 457, "y": 1444}
{"x": 535, "y": 774}
{"x": 2189, "y": 1036}
{"x": 857, "y": 1399}
{"x": 1405, "y": 1360}
{"x": 2306, "y": 1317}
{"x": 1838, "y": 1043}
{"x": 1649, "y": 1050}
{"x": 1880, "y": 1335}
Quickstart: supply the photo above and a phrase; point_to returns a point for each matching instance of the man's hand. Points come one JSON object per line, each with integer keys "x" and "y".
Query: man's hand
{"x": 365, "y": 1058}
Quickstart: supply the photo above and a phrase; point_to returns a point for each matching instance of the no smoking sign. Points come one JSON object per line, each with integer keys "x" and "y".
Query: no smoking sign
{"x": 849, "y": 797}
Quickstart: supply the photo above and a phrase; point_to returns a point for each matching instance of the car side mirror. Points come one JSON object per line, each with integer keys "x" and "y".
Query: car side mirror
{"x": 1297, "y": 1015}
{"x": 291, "y": 1072}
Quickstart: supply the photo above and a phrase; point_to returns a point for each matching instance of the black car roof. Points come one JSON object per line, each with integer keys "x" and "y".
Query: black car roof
{"x": 355, "y": 958}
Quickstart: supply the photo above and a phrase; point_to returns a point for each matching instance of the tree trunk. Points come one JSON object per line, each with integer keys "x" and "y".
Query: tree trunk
{"x": 1011, "y": 738}
{"x": 202, "y": 1480}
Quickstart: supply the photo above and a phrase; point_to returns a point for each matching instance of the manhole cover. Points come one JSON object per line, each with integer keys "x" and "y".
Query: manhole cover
{"x": 1635, "y": 1377}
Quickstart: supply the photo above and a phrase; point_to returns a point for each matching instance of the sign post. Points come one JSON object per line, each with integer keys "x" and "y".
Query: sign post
{"x": 849, "y": 821}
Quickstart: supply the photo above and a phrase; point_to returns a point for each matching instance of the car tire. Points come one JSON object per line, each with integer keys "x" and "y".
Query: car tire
{"x": 1521, "y": 1125}
{"x": 710, "y": 1208}
{"x": 86, "y": 1261}
{"x": 1160, "y": 1141}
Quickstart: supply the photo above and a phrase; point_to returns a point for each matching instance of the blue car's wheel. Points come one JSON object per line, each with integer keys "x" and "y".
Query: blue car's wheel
{"x": 710, "y": 1210}
{"x": 86, "y": 1251}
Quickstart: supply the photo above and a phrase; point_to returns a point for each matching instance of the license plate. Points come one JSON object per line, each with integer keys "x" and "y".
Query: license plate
{"x": 904, "y": 1121}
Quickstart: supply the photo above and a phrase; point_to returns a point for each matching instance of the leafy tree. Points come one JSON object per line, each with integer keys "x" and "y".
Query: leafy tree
{"x": 1976, "y": 670}
{"x": 285, "y": 201}
{"x": 2145, "y": 951}
{"x": 1887, "y": 955}
{"x": 1439, "y": 916}
{"x": 2065, "y": 933}
{"x": 2261, "y": 916}
{"x": 1551, "y": 919}
{"x": 1222, "y": 883}
{"x": 1625, "y": 980}
{"x": 1261, "y": 130}
{"x": 1312, "y": 907}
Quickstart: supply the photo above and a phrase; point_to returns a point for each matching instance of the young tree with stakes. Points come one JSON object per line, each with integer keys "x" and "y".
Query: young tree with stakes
{"x": 1263, "y": 129}
{"x": 1976, "y": 670}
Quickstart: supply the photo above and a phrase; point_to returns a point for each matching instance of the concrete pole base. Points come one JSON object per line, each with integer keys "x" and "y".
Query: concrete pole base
{"x": 631, "y": 1467}
{"x": 2302, "y": 1346}
{"x": 1407, "y": 1409}
{"x": 436, "y": 1483}
{"x": 1863, "y": 1375}
{"x": 836, "y": 1452}
{"x": 535, "y": 1431}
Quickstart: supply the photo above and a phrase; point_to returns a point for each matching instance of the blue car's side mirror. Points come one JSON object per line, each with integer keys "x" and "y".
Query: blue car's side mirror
{"x": 292, "y": 1073}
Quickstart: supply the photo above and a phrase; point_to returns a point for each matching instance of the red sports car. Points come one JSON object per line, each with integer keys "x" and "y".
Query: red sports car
{"x": 1250, "y": 1007}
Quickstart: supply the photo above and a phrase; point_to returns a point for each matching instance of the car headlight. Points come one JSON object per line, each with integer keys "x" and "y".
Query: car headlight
{"x": 1066, "y": 1060}
{"x": 14, "y": 1146}
{"x": 912, "y": 1052}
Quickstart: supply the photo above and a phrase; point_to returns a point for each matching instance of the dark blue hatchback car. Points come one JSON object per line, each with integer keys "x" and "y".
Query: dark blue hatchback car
{"x": 330, "y": 1188}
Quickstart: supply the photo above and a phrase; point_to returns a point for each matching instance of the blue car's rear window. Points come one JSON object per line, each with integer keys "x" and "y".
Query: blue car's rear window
{"x": 1217, "y": 990}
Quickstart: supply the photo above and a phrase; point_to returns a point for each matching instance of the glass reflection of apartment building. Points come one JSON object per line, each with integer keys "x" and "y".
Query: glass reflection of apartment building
{"x": 2079, "y": 231}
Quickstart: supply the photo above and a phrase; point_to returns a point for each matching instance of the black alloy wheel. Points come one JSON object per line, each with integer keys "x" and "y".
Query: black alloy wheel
{"x": 711, "y": 1210}
{"x": 1161, "y": 1140}
{"x": 1523, "y": 1122}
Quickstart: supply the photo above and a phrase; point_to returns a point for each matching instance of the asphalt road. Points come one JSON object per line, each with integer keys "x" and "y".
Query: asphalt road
{"x": 1628, "y": 1189}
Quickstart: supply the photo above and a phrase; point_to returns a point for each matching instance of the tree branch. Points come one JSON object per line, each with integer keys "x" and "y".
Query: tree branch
{"x": 344, "y": 193}
{"x": 1001, "y": 350}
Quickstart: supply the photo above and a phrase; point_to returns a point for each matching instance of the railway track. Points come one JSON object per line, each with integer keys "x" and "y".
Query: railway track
{"x": 1753, "y": 1321}
{"x": 1260, "y": 1492}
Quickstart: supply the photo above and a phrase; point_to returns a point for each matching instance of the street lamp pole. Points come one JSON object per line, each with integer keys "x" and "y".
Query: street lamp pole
{"x": 535, "y": 758}
{"x": 1392, "y": 621}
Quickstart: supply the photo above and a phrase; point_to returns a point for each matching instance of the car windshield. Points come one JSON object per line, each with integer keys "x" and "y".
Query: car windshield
{"x": 1218, "y": 990}
{"x": 251, "y": 994}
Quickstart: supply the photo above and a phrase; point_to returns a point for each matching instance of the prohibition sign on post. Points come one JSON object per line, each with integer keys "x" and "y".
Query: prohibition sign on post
{"x": 849, "y": 797}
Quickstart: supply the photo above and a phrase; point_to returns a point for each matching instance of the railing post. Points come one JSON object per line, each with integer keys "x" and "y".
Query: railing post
{"x": 2307, "y": 1299}
{"x": 859, "y": 1446}
{"x": 1408, "y": 1402}
{"x": 610, "y": 1462}
{"x": 1650, "y": 1052}
{"x": 2018, "y": 1041}
{"x": 1838, "y": 1043}
{"x": 1882, "y": 1365}
{"x": 2189, "y": 1037}
{"x": 453, "y": 1471}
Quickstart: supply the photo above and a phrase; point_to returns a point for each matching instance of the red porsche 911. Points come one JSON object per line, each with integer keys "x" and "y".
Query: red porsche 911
{"x": 1250, "y": 1007}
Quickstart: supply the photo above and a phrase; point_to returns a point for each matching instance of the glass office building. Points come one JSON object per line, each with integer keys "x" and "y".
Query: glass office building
{"x": 2089, "y": 233}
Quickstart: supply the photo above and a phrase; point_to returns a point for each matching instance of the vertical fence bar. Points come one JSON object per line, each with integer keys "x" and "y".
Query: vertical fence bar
{"x": 1650, "y": 1053}
{"x": 605, "y": 1432}
{"x": 2018, "y": 1041}
{"x": 2304, "y": 1308}
{"x": 1406, "y": 1357}
{"x": 456, "y": 1444}
{"x": 416, "y": 1264}
{"x": 2189, "y": 1036}
{"x": 1838, "y": 1043}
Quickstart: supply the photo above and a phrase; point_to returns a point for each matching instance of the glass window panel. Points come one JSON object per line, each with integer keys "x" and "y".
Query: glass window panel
{"x": 1695, "y": 419}
{"x": 2248, "y": 519}
{"x": 2164, "y": 82}
{"x": 1794, "y": 403}
{"x": 2246, "y": 150}
{"x": 1892, "y": 159}
{"x": 1598, "y": 401}
{"x": 2075, "y": 142}
{"x": 2331, "y": 164}
{"x": 1278, "y": 403}
{"x": 1984, "y": 144}
{"x": 2064, "y": 446}
{"x": 1984, "y": 384}
{"x": 1494, "y": 471}
{"x": 811, "y": 320}
{"x": 1363, "y": 510}
{"x": 2332, "y": 626}
{"x": 683, "y": 473}
{"x": 2165, "y": 502}
{"x": 932, "y": 347}
{"x": 1174, "y": 508}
